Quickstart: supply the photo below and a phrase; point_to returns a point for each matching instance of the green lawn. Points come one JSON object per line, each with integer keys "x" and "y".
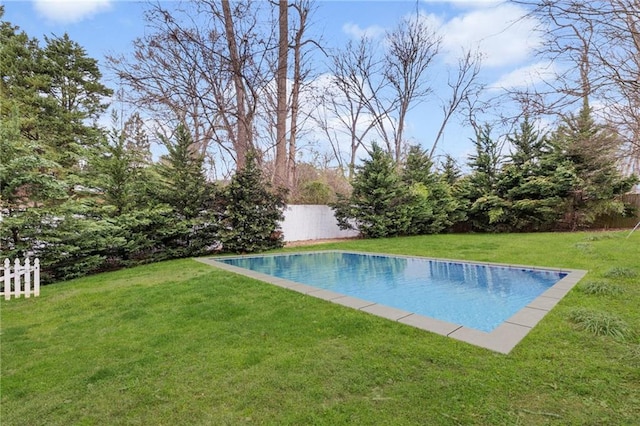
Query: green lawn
{"x": 180, "y": 342}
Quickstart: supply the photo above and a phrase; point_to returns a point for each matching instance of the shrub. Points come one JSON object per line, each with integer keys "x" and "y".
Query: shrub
{"x": 315, "y": 192}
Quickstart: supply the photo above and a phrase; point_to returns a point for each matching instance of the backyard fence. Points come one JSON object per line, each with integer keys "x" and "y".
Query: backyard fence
{"x": 619, "y": 221}
{"x": 27, "y": 274}
{"x": 312, "y": 222}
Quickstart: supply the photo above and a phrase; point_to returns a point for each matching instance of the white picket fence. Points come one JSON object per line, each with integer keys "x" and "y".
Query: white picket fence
{"x": 27, "y": 274}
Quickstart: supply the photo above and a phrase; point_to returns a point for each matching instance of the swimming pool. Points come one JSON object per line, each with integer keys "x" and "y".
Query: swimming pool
{"x": 472, "y": 300}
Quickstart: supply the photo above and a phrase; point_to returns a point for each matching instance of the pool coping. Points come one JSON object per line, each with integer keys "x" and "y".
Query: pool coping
{"x": 502, "y": 339}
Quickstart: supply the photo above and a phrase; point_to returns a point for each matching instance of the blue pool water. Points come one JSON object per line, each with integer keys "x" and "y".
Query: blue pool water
{"x": 473, "y": 295}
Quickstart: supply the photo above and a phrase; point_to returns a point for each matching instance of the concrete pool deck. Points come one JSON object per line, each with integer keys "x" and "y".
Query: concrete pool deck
{"x": 502, "y": 339}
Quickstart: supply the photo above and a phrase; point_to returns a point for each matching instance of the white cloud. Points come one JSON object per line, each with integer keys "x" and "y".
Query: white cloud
{"x": 526, "y": 76}
{"x": 70, "y": 11}
{"x": 429, "y": 19}
{"x": 502, "y": 34}
{"x": 355, "y": 31}
{"x": 500, "y": 31}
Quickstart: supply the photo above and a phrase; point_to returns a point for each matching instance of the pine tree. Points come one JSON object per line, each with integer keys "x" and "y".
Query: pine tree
{"x": 378, "y": 205}
{"x": 22, "y": 84}
{"x": 251, "y": 211}
{"x": 458, "y": 186}
{"x": 184, "y": 185}
{"x": 137, "y": 141}
{"x": 486, "y": 211}
{"x": 115, "y": 174}
{"x": 591, "y": 148}
{"x": 43, "y": 215}
{"x": 450, "y": 170}
{"x": 534, "y": 182}
{"x": 431, "y": 202}
{"x": 485, "y": 163}
{"x": 528, "y": 145}
{"x": 75, "y": 91}
{"x": 29, "y": 190}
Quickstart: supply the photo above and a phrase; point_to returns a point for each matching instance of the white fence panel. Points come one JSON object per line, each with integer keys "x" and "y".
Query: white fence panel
{"x": 312, "y": 222}
{"x": 12, "y": 280}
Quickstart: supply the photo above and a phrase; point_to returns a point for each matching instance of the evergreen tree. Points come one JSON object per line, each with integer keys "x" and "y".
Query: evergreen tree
{"x": 485, "y": 163}
{"x": 431, "y": 202}
{"x": 458, "y": 187}
{"x": 75, "y": 89}
{"x": 450, "y": 170}
{"x": 116, "y": 172}
{"x": 591, "y": 148}
{"x": 183, "y": 183}
{"x": 74, "y": 242}
{"x": 251, "y": 211}
{"x": 486, "y": 210}
{"x": 42, "y": 214}
{"x": 183, "y": 186}
{"x": 528, "y": 145}
{"x": 29, "y": 190}
{"x": 74, "y": 79}
{"x": 534, "y": 182}
{"x": 526, "y": 191}
{"x": 22, "y": 85}
{"x": 379, "y": 202}
{"x": 137, "y": 140}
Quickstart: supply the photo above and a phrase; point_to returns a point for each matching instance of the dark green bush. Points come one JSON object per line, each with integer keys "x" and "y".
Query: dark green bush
{"x": 250, "y": 212}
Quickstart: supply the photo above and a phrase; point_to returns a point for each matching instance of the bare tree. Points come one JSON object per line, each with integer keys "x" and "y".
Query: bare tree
{"x": 621, "y": 28}
{"x": 149, "y": 81}
{"x": 203, "y": 63}
{"x": 294, "y": 38}
{"x": 463, "y": 87}
{"x": 280, "y": 173}
{"x": 244, "y": 113}
{"x": 412, "y": 46}
{"x": 283, "y": 127}
{"x": 352, "y": 104}
{"x": 302, "y": 45}
{"x": 597, "y": 47}
{"x": 373, "y": 90}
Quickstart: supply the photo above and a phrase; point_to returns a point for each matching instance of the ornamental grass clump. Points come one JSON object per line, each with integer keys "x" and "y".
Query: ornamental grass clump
{"x": 600, "y": 323}
{"x": 600, "y": 288}
{"x": 620, "y": 272}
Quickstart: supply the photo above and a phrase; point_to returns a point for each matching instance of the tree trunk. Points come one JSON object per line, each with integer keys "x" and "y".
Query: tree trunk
{"x": 281, "y": 178}
{"x": 243, "y": 139}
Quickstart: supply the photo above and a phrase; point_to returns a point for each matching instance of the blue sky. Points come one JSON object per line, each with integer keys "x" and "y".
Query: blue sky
{"x": 496, "y": 28}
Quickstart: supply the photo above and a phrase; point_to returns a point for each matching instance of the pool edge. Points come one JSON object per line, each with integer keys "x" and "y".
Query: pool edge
{"x": 502, "y": 339}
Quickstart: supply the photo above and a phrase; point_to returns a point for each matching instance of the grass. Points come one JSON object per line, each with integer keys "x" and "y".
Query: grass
{"x": 179, "y": 342}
